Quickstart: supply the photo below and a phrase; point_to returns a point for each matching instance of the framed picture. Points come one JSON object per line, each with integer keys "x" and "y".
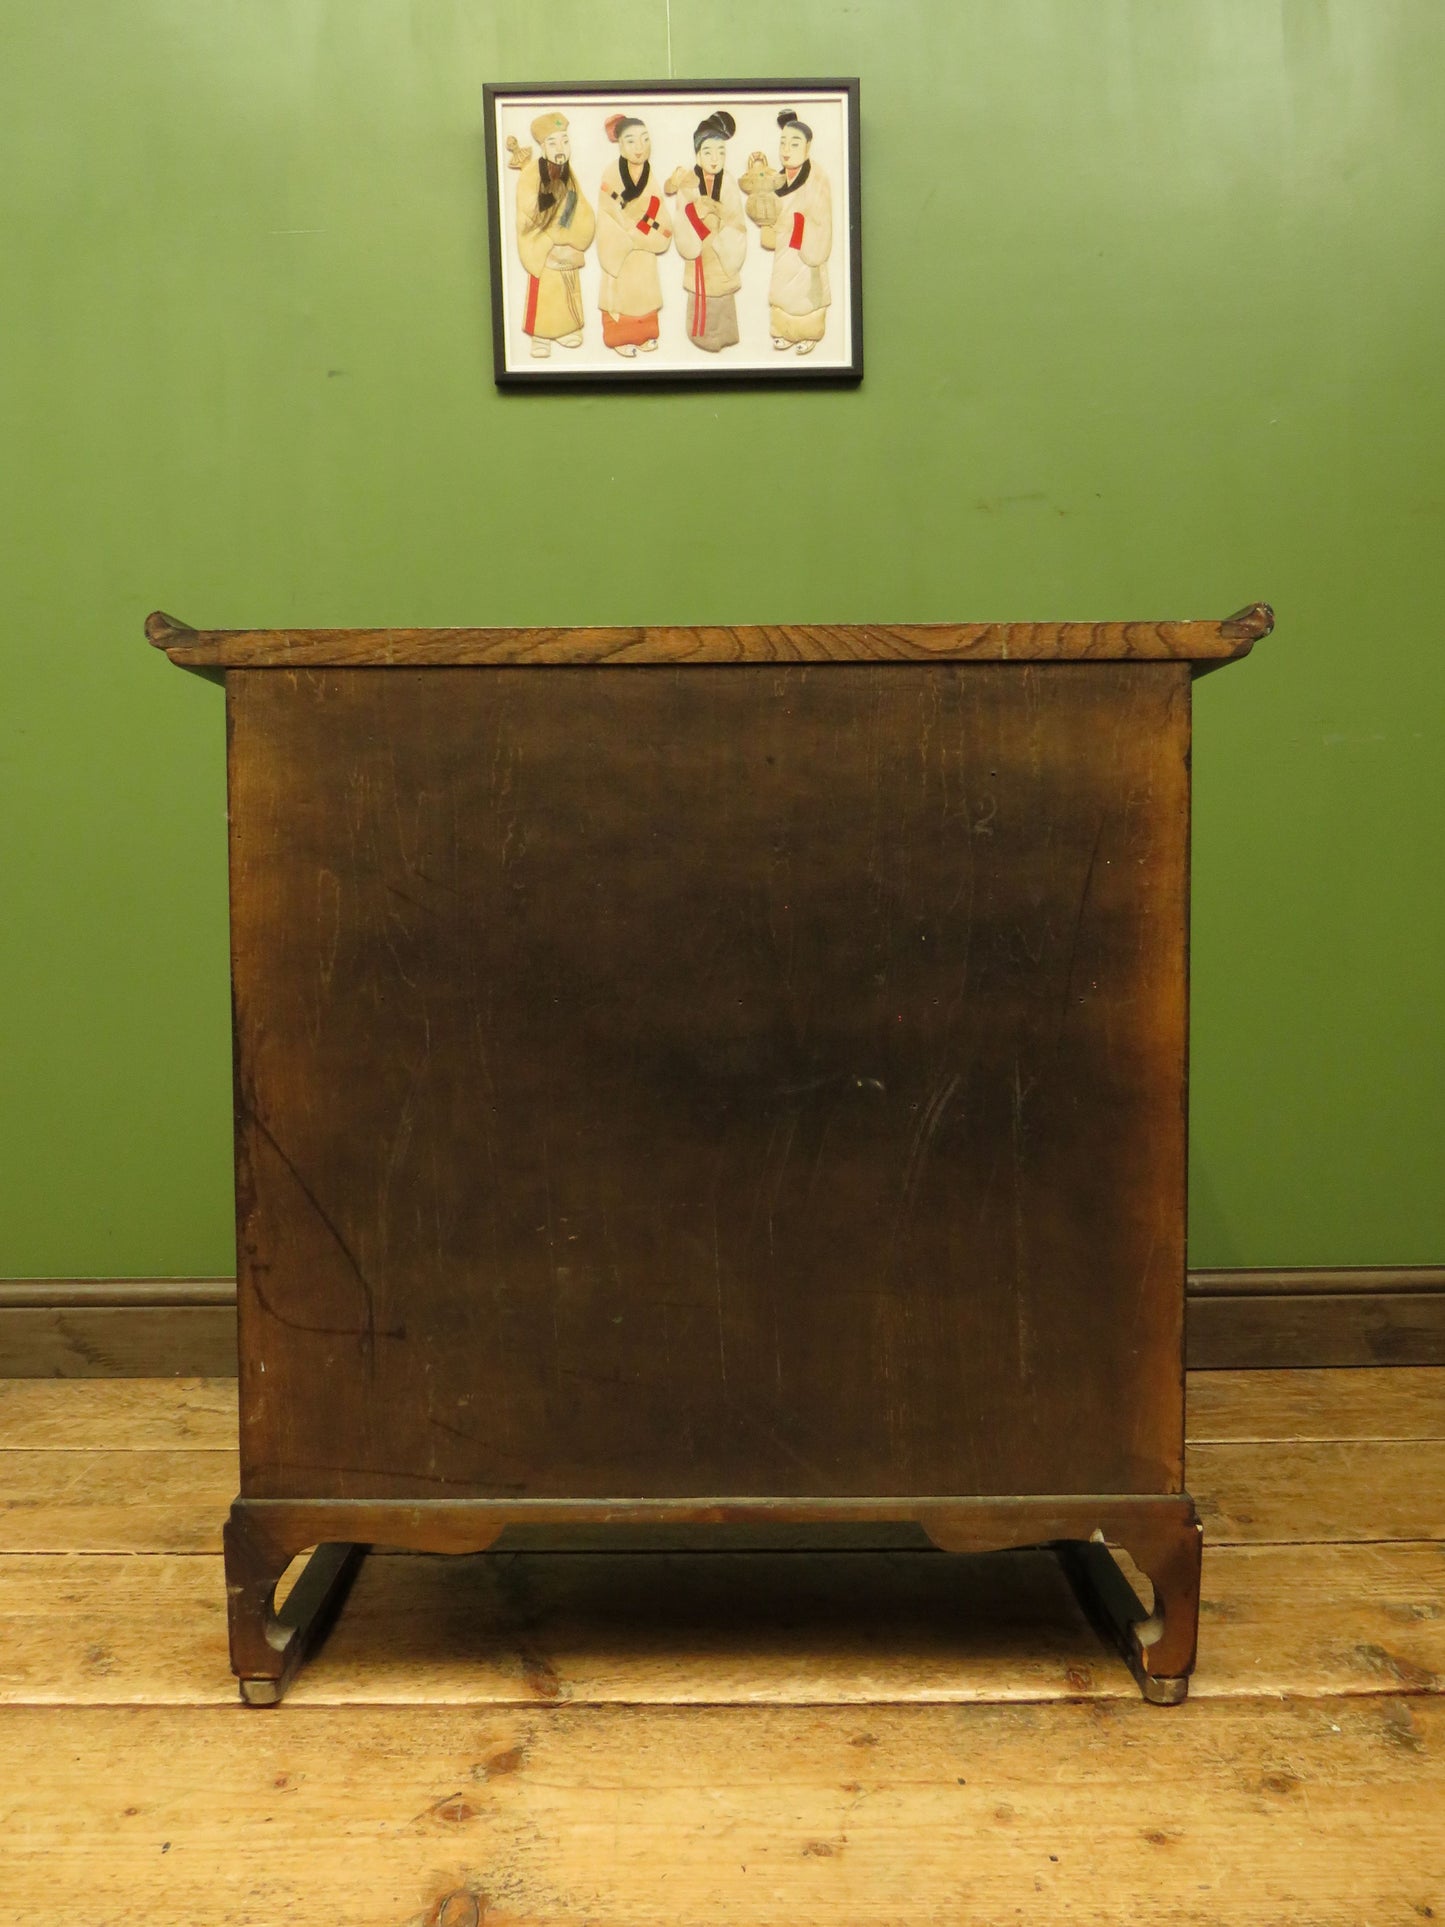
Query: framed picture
{"x": 675, "y": 231}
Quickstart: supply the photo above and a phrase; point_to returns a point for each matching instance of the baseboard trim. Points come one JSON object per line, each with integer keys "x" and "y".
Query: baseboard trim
{"x": 1352, "y": 1315}
{"x": 71, "y": 1294}
{"x": 1287, "y": 1317}
{"x": 1343, "y": 1280}
{"x": 117, "y": 1328}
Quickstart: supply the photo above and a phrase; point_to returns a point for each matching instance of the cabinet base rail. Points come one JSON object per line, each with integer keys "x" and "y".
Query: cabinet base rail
{"x": 1160, "y": 1533}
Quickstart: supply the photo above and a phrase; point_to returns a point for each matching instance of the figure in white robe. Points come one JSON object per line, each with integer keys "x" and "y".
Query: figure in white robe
{"x": 634, "y": 226}
{"x": 801, "y": 238}
{"x": 711, "y": 234}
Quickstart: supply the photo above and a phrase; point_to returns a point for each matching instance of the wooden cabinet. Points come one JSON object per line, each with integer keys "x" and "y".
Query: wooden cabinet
{"x": 711, "y": 1076}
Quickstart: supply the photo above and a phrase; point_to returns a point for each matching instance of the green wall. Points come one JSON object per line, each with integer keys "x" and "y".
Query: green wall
{"x": 1153, "y": 299}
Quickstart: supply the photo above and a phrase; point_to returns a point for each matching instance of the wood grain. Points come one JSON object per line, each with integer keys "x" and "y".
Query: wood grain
{"x": 118, "y": 1414}
{"x": 1248, "y": 1492}
{"x": 116, "y": 1327}
{"x": 71, "y": 1294}
{"x": 1380, "y": 1402}
{"x": 1184, "y": 641}
{"x": 1311, "y": 1811}
{"x": 726, "y": 1094}
{"x": 1334, "y": 1328}
{"x": 1284, "y": 1492}
{"x": 1387, "y": 1402}
{"x": 117, "y": 1341}
{"x": 103, "y": 1501}
{"x": 714, "y": 1628}
{"x": 1357, "y": 1317}
{"x": 1301, "y": 1281}
{"x": 773, "y": 1738}
{"x": 693, "y": 1083}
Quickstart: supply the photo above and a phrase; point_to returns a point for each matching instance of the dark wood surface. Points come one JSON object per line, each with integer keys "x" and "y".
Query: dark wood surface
{"x": 1343, "y": 1317}
{"x": 1339, "y": 1318}
{"x": 117, "y": 1327}
{"x": 750, "y": 1080}
{"x": 1205, "y": 643}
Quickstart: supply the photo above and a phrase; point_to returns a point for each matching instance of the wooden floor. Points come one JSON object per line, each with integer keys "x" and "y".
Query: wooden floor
{"x": 814, "y": 1738}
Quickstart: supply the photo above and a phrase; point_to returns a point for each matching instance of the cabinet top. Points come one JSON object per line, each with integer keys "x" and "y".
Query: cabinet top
{"x": 1205, "y": 643}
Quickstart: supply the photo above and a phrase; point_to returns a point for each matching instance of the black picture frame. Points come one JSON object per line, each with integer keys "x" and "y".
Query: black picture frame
{"x": 842, "y": 365}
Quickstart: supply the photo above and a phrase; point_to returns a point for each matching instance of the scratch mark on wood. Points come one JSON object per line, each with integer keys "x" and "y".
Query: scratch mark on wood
{"x": 722, "y": 1348}
{"x": 368, "y": 1330}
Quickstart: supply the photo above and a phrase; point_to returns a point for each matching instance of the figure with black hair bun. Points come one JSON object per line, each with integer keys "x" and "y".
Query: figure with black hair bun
{"x": 711, "y": 234}
{"x": 800, "y": 235}
{"x": 634, "y": 226}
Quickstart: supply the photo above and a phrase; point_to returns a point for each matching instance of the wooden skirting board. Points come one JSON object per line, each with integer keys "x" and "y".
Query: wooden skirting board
{"x": 185, "y": 1327}
{"x": 118, "y": 1328}
{"x": 1350, "y": 1315}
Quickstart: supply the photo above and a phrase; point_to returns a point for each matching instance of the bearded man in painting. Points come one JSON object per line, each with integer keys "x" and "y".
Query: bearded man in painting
{"x": 555, "y": 226}
{"x": 801, "y": 237}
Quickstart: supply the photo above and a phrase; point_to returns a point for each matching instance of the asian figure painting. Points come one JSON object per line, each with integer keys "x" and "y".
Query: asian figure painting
{"x": 696, "y": 231}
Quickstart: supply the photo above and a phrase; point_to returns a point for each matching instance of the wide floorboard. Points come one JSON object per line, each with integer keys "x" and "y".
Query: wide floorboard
{"x": 589, "y": 1737}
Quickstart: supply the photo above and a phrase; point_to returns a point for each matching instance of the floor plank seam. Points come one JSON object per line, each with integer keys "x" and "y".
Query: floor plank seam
{"x": 700, "y": 1552}
{"x": 1285, "y": 1545}
{"x": 295, "y": 1706}
{"x": 1306, "y": 1438}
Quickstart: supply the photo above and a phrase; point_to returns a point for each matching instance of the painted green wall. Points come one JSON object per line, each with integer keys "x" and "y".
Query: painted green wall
{"x": 1153, "y": 320}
